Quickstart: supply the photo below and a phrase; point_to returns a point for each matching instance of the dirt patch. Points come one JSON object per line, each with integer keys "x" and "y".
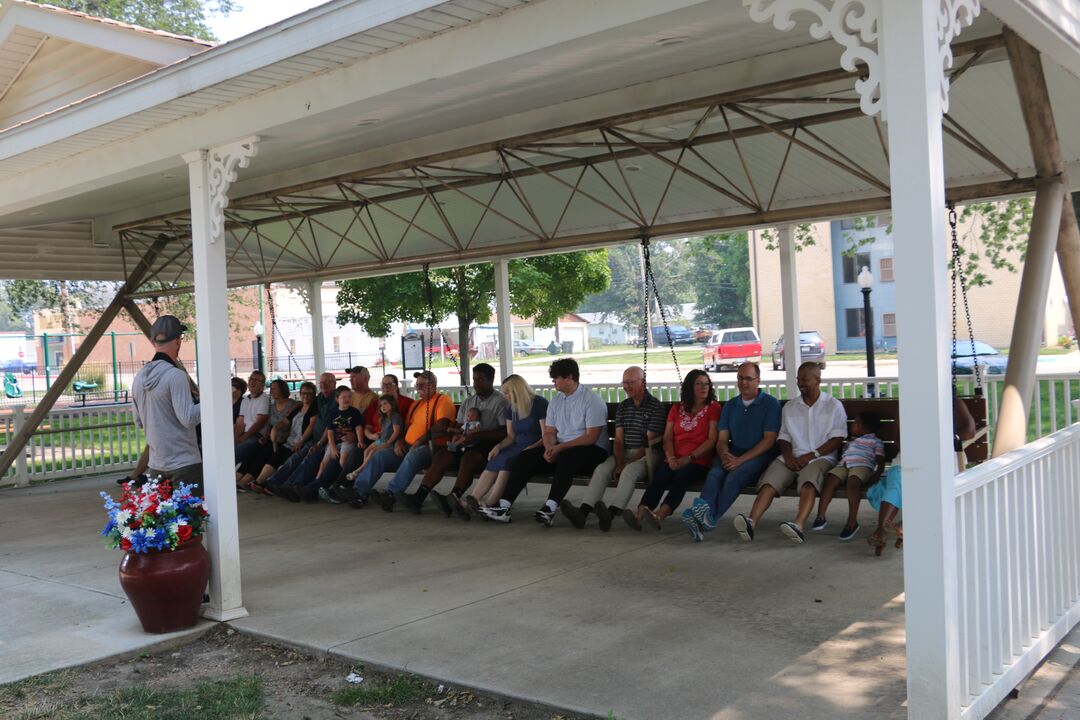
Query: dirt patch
{"x": 293, "y": 685}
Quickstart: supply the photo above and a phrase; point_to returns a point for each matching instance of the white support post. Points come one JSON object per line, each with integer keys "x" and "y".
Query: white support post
{"x": 502, "y": 316}
{"x": 789, "y": 299}
{"x": 913, "y": 97}
{"x": 318, "y": 340}
{"x": 209, "y": 174}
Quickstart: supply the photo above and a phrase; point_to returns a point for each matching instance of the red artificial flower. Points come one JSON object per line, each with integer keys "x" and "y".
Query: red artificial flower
{"x": 125, "y": 544}
{"x": 183, "y": 532}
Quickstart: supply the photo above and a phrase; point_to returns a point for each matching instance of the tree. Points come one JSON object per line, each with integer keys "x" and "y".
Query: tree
{"x": 183, "y": 17}
{"x": 624, "y": 296}
{"x": 719, "y": 273}
{"x": 544, "y": 288}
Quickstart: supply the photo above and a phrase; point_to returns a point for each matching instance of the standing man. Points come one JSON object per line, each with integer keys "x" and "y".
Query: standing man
{"x": 812, "y": 428}
{"x": 745, "y": 444}
{"x": 161, "y": 397}
{"x": 639, "y": 422}
{"x": 425, "y": 428}
{"x": 469, "y": 459}
{"x": 575, "y": 440}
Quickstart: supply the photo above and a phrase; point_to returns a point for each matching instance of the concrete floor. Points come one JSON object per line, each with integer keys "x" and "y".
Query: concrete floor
{"x": 644, "y": 625}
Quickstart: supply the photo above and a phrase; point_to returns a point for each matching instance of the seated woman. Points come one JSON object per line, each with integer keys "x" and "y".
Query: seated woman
{"x": 287, "y": 439}
{"x": 282, "y": 409}
{"x": 525, "y": 422}
{"x": 689, "y": 443}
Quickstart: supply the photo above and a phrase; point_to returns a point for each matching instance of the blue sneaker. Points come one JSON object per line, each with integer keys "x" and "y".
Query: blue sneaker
{"x": 819, "y": 524}
{"x": 691, "y": 524}
{"x": 703, "y": 515}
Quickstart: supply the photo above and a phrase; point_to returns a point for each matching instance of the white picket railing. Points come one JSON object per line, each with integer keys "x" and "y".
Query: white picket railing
{"x": 1018, "y": 564}
{"x": 72, "y": 442}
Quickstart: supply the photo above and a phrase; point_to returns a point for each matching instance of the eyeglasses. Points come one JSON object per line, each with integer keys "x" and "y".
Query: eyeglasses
{"x": 746, "y": 378}
{"x": 703, "y": 383}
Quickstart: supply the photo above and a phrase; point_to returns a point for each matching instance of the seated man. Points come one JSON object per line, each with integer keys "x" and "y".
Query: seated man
{"x": 639, "y": 422}
{"x": 254, "y": 414}
{"x": 470, "y": 460}
{"x": 812, "y": 428}
{"x": 425, "y": 428}
{"x": 575, "y": 440}
{"x": 745, "y": 443}
{"x": 302, "y": 466}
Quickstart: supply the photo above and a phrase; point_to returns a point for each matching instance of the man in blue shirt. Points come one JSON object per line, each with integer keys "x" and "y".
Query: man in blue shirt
{"x": 745, "y": 444}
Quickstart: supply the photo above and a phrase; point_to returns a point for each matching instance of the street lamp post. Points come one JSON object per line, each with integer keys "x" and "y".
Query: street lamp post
{"x": 259, "y": 329}
{"x": 866, "y": 283}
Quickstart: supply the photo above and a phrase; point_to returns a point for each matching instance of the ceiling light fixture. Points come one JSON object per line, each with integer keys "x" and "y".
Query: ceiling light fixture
{"x": 366, "y": 121}
{"x": 631, "y": 167}
{"x": 668, "y": 41}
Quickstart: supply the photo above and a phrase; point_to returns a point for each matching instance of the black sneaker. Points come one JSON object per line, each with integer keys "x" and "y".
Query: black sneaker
{"x": 573, "y": 514}
{"x": 848, "y": 532}
{"x": 792, "y": 532}
{"x": 342, "y": 493}
{"x": 409, "y": 502}
{"x": 474, "y": 505}
{"x": 819, "y": 524}
{"x": 443, "y": 502}
{"x": 382, "y": 499}
{"x": 463, "y": 511}
{"x": 358, "y": 503}
{"x": 603, "y": 515}
{"x": 308, "y": 493}
{"x": 545, "y": 516}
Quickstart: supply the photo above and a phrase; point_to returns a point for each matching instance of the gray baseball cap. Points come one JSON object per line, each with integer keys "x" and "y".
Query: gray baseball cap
{"x": 166, "y": 328}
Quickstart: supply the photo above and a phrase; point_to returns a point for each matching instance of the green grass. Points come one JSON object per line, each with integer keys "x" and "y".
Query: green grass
{"x": 400, "y": 689}
{"x": 240, "y": 697}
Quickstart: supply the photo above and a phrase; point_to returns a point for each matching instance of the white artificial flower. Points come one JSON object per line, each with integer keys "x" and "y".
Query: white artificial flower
{"x": 122, "y": 517}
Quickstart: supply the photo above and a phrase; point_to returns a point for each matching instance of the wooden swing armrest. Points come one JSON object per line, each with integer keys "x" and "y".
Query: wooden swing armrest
{"x": 979, "y": 435}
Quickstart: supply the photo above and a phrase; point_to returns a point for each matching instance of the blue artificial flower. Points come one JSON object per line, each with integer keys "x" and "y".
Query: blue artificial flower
{"x": 109, "y": 527}
{"x": 140, "y": 541}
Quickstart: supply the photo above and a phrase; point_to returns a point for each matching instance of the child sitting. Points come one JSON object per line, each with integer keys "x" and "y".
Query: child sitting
{"x": 472, "y": 424}
{"x": 863, "y": 462}
{"x": 390, "y": 425}
{"x": 342, "y": 429}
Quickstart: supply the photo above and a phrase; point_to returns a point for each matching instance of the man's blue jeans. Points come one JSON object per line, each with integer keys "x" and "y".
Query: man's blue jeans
{"x": 722, "y": 487}
{"x": 385, "y": 460}
{"x": 283, "y": 473}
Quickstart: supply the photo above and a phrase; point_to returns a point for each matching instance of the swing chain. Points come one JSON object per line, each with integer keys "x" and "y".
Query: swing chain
{"x": 959, "y": 274}
{"x": 275, "y": 331}
{"x": 650, "y": 279}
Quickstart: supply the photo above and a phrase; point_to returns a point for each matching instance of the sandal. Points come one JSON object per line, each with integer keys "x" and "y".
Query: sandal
{"x": 652, "y": 518}
{"x": 877, "y": 541}
{"x": 898, "y": 530}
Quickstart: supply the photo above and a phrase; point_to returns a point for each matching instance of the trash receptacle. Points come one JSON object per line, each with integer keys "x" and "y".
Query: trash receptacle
{"x": 568, "y": 346}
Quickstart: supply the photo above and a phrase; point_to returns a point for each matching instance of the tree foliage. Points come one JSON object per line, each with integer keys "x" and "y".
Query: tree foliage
{"x": 183, "y": 17}
{"x": 544, "y": 288}
{"x": 624, "y": 297}
{"x": 719, "y": 272}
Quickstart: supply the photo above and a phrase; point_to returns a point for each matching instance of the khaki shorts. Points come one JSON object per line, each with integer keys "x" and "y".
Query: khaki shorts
{"x": 778, "y": 476}
{"x": 861, "y": 472}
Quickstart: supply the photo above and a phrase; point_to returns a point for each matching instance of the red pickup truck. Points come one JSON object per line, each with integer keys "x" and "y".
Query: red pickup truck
{"x": 732, "y": 347}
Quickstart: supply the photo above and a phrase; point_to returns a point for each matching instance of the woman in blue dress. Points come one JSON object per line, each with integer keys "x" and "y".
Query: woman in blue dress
{"x": 525, "y": 421}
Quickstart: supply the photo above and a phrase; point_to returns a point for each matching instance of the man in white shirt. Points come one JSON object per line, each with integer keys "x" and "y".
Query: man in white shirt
{"x": 254, "y": 414}
{"x": 575, "y": 440}
{"x": 812, "y": 429}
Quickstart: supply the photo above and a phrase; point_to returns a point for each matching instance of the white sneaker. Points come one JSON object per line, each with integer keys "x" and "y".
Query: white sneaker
{"x": 498, "y": 514}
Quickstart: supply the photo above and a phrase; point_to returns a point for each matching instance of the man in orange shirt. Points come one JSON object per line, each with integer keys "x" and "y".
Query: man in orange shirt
{"x": 425, "y": 429}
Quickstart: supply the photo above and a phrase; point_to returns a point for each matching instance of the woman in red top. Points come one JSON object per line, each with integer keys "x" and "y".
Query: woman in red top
{"x": 689, "y": 441}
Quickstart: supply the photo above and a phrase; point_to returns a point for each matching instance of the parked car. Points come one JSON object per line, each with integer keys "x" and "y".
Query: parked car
{"x": 680, "y": 335}
{"x": 529, "y": 347}
{"x": 965, "y": 353}
{"x": 731, "y": 347}
{"x": 811, "y": 349}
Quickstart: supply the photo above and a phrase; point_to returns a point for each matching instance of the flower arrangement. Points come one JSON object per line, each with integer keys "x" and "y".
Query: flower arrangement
{"x": 153, "y": 517}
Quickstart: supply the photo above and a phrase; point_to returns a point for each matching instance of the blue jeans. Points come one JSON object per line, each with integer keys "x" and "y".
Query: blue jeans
{"x": 246, "y": 449}
{"x": 385, "y": 460}
{"x": 722, "y": 487}
{"x": 285, "y": 471}
{"x": 414, "y": 463}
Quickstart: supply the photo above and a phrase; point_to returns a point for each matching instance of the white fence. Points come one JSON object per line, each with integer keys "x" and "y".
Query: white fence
{"x": 74, "y": 441}
{"x": 1018, "y": 564}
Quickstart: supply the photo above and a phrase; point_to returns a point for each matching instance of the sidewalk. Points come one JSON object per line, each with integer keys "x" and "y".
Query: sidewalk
{"x": 1052, "y": 692}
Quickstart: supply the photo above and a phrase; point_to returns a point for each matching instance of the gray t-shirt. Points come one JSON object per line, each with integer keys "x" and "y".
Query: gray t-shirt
{"x": 387, "y": 428}
{"x": 492, "y": 410}
{"x": 571, "y": 415}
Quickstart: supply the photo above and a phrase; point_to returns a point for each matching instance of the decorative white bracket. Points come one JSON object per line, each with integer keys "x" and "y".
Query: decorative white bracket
{"x": 855, "y": 24}
{"x": 223, "y": 162}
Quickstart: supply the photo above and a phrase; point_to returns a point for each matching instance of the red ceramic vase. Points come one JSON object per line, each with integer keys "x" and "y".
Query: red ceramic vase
{"x": 166, "y": 588}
